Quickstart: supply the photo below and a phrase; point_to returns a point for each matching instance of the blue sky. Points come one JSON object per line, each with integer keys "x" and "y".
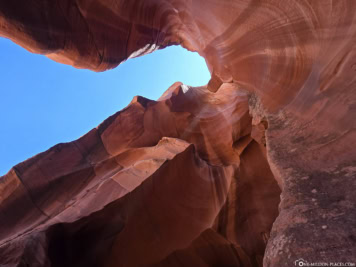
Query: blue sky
{"x": 43, "y": 103}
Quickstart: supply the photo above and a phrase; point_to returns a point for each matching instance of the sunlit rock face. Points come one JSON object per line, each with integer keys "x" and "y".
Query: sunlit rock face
{"x": 256, "y": 168}
{"x": 153, "y": 177}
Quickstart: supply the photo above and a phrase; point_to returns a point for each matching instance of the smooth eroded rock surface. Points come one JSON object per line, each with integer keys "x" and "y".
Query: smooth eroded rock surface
{"x": 256, "y": 168}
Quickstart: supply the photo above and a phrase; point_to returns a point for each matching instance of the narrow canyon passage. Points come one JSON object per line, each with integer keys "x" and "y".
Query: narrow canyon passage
{"x": 253, "y": 169}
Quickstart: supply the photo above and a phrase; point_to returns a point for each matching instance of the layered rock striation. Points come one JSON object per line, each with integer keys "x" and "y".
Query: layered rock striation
{"x": 256, "y": 168}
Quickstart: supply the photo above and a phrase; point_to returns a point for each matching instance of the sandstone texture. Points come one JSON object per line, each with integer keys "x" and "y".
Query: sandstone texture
{"x": 256, "y": 168}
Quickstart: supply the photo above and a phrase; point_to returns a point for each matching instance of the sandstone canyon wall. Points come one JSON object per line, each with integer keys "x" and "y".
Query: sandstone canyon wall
{"x": 257, "y": 168}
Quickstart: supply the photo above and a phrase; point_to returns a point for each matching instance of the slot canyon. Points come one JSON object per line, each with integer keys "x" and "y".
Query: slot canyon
{"x": 256, "y": 168}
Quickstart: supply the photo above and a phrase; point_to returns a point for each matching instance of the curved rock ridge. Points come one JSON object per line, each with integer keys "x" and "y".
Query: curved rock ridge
{"x": 279, "y": 109}
{"x": 265, "y": 46}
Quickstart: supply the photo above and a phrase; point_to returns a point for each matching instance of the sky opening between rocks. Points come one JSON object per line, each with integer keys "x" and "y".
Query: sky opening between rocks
{"x": 43, "y": 103}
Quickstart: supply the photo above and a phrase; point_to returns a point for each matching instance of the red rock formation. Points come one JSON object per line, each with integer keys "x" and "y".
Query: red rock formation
{"x": 283, "y": 111}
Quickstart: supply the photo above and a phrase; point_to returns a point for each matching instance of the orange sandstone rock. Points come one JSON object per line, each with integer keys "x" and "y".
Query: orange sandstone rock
{"x": 279, "y": 110}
